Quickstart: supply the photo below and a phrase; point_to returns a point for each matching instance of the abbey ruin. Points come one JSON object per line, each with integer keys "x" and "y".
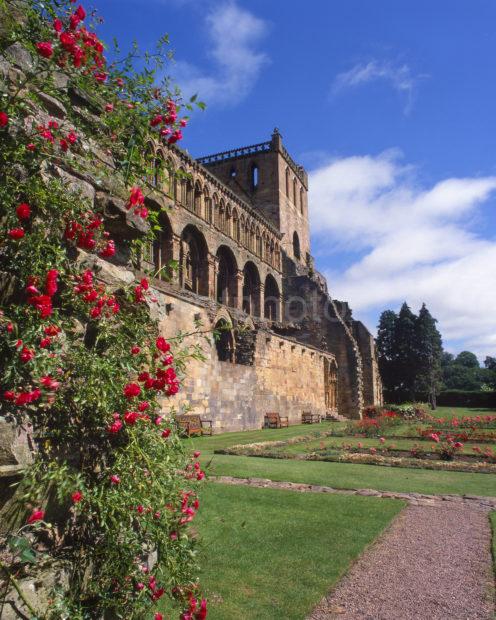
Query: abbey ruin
{"x": 236, "y": 223}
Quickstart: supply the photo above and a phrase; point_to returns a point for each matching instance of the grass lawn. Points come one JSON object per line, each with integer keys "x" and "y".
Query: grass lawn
{"x": 346, "y": 475}
{"x": 492, "y": 517}
{"x": 459, "y": 412}
{"x": 271, "y": 554}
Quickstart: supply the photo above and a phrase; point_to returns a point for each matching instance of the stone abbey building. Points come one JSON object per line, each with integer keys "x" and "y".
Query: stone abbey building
{"x": 237, "y": 225}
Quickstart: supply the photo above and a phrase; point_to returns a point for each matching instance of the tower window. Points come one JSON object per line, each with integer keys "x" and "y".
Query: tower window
{"x": 232, "y": 172}
{"x": 254, "y": 176}
{"x": 296, "y": 246}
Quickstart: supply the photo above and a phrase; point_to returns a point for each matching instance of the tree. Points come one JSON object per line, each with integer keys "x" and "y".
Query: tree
{"x": 467, "y": 359}
{"x": 490, "y": 363}
{"x": 429, "y": 350}
{"x": 385, "y": 349}
{"x": 405, "y": 352}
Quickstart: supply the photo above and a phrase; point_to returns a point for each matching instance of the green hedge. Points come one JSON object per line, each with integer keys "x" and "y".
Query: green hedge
{"x": 466, "y": 398}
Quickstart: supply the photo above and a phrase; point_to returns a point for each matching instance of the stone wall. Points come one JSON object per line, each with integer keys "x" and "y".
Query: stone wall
{"x": 280, "y": 374}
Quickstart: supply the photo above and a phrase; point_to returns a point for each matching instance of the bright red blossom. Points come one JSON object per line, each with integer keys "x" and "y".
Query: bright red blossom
{"x": 23, "y": 211}
{"x": 45, "y": 49}
{"x": 4, "y": 119}
{"x": 76, "y": 497}
{"x": 36, "y": 515}
{"x": 16, "y": 233}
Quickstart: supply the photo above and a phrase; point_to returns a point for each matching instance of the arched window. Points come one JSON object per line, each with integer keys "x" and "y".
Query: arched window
{"x": 224, "y": 341}
{"x": 302, "y": 201}
{"x": 271, "y": 299}
{"x": 198, "y": 199}
{"x": 226, "y": 277}
{"x": 158, "y": 172}
{"x": 208, "y": 206}
{"x": 189, "y": 198}
{"x": 252, "y": 237}
{"x": 162, "y": 249}
{"x": 215, "y": 201}
{"x": 222, "y": 216}
{"x": 287, "y": 182}
{"x": 168, "y": 175}
{"x": 258, "y": 243}
{"x": 295, "y": 193}
{"x": 228, "y": 221}
{"x": 251, "y": 289}
{"x": 277, "y": 257}
{"x": 271, "y": 254}
{"x": 254, "y": 176}
{"x": 194, "y": 267}
{"x": 296, "y": 246}
{"x": 235, "y": 226}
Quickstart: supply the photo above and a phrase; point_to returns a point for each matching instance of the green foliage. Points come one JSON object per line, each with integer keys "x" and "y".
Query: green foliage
{"x": 112, "y": 489}
{"x": 409, "y": 351}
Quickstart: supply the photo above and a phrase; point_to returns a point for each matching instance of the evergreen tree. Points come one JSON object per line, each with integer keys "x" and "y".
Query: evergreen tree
{"x": 405, "y": 350}
{"x": 386, "y": 354}
{"x": 428, "y": 355}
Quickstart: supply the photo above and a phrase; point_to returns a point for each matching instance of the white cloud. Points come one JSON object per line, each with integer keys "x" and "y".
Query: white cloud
{"x": 399, "y": 76}
{"x": 413, "y": 242}
{"x": 233, "y": 34}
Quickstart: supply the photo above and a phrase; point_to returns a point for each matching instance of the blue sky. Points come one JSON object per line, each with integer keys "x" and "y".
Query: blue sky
{"x": 391, "y": 106}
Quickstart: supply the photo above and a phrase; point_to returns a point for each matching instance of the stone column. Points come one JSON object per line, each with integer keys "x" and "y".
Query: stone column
{"x": 238, "y": 301}
{"x": 213, "y": 270}
{"x": 176, "y": 256}
{"x": 260, "y": 301}
{"x": 279, "y": 308}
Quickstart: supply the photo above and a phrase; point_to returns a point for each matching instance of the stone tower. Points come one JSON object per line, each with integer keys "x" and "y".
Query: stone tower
{"x": 266, "y": 176}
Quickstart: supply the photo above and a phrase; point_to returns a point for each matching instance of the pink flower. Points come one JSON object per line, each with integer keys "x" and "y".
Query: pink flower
{"x": 45, "y": 49}
{"x": 131, "y": 390}
{"x": 72, "y": 137}
{"x": 16, "y": 233}
{"x": 382, "y": 440}
{"x": 36, "y": 515}
{"x": 458, "y": 444}
{"x": 4, "y": 119}
{"x": 49, "y": 383}
{"x": 108, "y": 250}
{"x": 23, "y": 211}
{"x": 76, "y": 497}
{"x": 434, "y": 437}
{"x": 136, "y": 197}
{"x": 158, "y": 616}
{"x": 114, "y": 479}
{"x": 373, "y": 450}
{"x": 109, "y": 107}
{"x": 196, "y": 454}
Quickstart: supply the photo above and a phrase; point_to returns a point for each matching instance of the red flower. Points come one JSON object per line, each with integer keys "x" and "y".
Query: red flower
{"x": 36, "y": 515}
{"x": 10, "y": 327}
{"x": 115, "y": 427}
{"x": 23, "y": 211}
{"x": 162, "y": 344}
{"x": 156, "y": 120}
{"x": 49, "y": 383}
{"x": 31, "y": 146}
{"x": 135, "y": 350}
{"x": 4, "y": 119}
{"x": 45, "y": 49}
{"x": 202, "y": 613}
{"x": 131, "y": 390}
{"x": 108, "y": 250}
{"x": 57, "y": 25}
{"x": 64, "y": 145}
{"x": 196, "y": 454}
{"x": 158, "y": 616}
{"x": 76, "y": 497}
{"x": 109, "y": 107}
{"x": 26, "y": 355}
{"x": 143, "y": 406}
{"x": 114, "y": 479}
{"x": 130, "y": 417}
{"x": 52, "y": 330}
{"x": 16, "y": 233}
{"x": 135, "y": 197}
{"x": 51, "y": 282}
{"x": 45, "y": 342}
{"x": 166, "y": 433}
{"x": 81, "y": 13}
{"x": 72, "y": 137}
{"x": 9, "y": 395}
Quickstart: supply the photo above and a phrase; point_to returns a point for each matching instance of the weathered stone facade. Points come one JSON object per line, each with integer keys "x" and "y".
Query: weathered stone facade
{"x": 237, "y": 225}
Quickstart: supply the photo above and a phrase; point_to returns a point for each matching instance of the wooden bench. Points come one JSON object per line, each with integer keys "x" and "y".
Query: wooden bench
{"x": 307, "y": 417}
{"x": 274, "y": 420}
{"x": 193, "y": 424}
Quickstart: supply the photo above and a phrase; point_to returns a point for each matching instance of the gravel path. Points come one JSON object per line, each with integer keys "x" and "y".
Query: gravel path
{"x": 433, "y": 563}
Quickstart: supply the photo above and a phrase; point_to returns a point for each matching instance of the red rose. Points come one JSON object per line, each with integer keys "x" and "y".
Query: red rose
{"x": 45, "y": 49}
{"x": 9, "y": 395}
{"x": 131, "y": 390}
{"x": 135, "y": 350}
{"x": 23, "y": 211}
{"x": 26, "y": 355}
{"x": 108, "y": 250}
{"x": 72, "y": 137}
{"x": 36, "y": 515}
{"x": 45, "y": 342}
{"x": 162, "y": 344}
{"x": 67, "y": 41}
{"x": 76, "y": 497}
{"x": 130, "y": 417}
{"x": 166, "y": 433}
{"x": 51, "y": 282}
{"x": 80, "y": 12}
{"x": 57, "y": 25}
{"x": 4, "y": 119}
{"x": 16, "y": 233}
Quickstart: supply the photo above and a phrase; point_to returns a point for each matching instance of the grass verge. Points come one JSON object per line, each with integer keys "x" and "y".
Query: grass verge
{"x": 351, "y": 476}
{"x": 270, "y": 554}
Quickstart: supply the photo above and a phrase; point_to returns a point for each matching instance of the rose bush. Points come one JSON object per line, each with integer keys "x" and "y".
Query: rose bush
{"x": 111, "y": 490}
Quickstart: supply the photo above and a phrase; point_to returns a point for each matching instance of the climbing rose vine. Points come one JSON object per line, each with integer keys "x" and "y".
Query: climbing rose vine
{"x": 111, "y": 491}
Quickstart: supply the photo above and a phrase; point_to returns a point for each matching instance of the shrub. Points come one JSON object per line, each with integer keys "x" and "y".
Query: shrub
{"x": 467, "y": 398}
{"x": 409, "y": 411}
